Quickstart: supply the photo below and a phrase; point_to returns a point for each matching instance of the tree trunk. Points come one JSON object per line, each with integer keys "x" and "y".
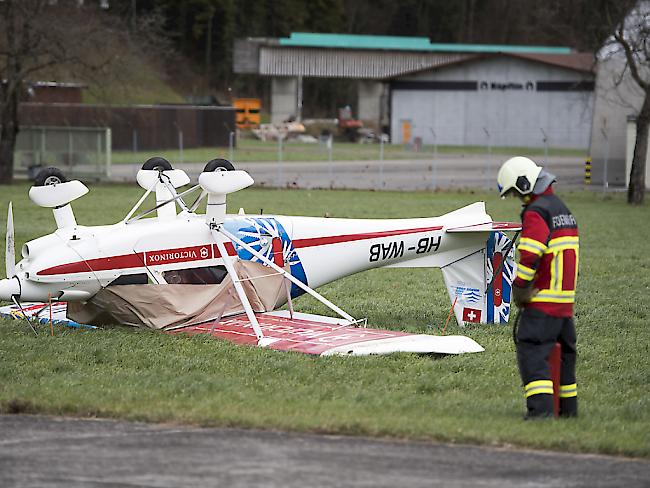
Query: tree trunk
{"x": 8, "y": 132}
{"x": 636, "y": 189}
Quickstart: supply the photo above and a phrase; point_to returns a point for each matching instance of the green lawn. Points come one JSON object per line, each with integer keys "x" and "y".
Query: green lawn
{"x": 255, "y": 150}
{"x": 150, "y": 376}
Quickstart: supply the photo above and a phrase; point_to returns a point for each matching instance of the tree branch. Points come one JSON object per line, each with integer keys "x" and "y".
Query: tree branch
{"x": 619, "y": 35}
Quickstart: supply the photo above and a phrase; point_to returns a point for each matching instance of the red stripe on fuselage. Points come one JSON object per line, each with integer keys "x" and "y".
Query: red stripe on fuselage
{"x": 125, "y": 261}
{"x": 324, "y": 241}
{"x": 136, "y": 260}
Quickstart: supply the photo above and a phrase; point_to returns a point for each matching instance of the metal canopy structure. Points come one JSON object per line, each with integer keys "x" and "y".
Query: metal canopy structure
{"x": 401, "y": 43}
{"x": 352, "y": 63}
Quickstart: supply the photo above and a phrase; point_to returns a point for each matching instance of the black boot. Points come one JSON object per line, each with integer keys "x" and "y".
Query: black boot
{"x": 539, "y": 406}
{"x": 569, "y": 407}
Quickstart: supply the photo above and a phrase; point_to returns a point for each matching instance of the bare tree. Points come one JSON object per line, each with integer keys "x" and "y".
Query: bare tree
{"x": 631, "y": 38}
{"x": 64, "y": 38}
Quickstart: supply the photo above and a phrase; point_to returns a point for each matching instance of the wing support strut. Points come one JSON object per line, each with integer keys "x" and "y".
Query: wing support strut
{"x": 283, "y": 272}
{"x": 238, "y": 288}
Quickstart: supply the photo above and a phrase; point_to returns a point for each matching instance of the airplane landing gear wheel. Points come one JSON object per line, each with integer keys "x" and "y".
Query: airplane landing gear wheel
{"x": 157, "y": 163}
{"x": 218, "y": 165}
{"x": 49, "y": 176}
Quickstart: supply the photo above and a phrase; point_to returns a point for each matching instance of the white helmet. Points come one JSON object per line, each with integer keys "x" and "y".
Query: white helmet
{"x": 518, "y": 173}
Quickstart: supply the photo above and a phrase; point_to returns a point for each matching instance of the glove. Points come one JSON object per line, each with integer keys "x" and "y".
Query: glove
{"x": 522, "y": 295}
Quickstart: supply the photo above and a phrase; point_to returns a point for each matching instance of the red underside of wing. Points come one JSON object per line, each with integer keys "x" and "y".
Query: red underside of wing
{"x": 299, "y": 335}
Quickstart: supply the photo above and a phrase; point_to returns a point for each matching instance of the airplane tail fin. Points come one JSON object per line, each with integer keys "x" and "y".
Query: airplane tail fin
{"x": 480, "y": 285}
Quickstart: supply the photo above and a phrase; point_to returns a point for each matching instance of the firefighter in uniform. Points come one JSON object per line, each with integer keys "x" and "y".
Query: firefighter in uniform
{"x": 544, "y": 288}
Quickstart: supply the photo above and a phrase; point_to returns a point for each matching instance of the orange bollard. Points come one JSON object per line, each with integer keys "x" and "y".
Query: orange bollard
{"x": 554, "y": 361}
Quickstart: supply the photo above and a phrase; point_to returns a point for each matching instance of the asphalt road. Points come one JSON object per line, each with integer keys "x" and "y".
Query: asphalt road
{"x": 40, "y": 451}
{"x": 447, "y": 171}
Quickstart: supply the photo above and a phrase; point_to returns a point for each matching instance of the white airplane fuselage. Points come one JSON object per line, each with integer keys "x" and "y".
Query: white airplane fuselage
{"x": 75, "y": 262}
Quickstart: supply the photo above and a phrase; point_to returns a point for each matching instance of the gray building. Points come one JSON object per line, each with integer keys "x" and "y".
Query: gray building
{"x": 457, "y": 94}
{"x": 501, "y": 100}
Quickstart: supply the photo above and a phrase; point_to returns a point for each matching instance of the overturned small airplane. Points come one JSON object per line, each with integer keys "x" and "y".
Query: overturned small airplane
{"x": 145, "y": 270}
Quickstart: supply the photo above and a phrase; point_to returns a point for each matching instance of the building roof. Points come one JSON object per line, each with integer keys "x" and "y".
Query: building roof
{"x": 380, "y": 57}
{"x": 401, "y": 43}
{"x": 576, "y": 61}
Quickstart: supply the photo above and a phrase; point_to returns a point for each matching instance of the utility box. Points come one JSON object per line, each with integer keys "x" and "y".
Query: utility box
{"x": 629, "y": 153}
{"x": 247, "y": 112}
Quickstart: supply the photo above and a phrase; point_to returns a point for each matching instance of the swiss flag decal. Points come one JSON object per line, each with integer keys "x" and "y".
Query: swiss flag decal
{"x": 471, "y": 315}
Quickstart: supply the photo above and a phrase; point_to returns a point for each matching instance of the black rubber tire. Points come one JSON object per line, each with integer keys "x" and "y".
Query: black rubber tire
{"x": 49, "y": 176}
{"x": 216, "y": 164}
{"x": 157, "y": 163}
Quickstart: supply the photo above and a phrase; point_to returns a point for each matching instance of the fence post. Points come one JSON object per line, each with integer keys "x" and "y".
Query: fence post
{"x": 135, "y": 140}
{"x": 98, "y": 162}
{"x": 231, "y": 145}
{"x": 70, "y": 149}
{"x": 381, "y": 162}
{"x": 41, "y": 155}
{"x": 109, "y": 148}
{"x": 330, "y": 143}
{"x": 545, "y": 141}
{"x": 434, "y": 163}
{"x": 606, "y": 162}
{"x": 180, "y": 145}
{"x": 489, "y": 159}
{"x": 280, "y": 158}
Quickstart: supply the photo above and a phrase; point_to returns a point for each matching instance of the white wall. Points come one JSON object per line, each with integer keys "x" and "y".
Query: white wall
{"x": 511, "y": 117}
{"x": 629, "y": 153}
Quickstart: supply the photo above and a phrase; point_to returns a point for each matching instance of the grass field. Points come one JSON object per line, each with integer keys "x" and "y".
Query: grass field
{"x": 143, "y": 375}
{"x": 248, "y": 150}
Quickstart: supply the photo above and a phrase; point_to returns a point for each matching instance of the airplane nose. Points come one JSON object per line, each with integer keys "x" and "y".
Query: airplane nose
{"x": 8, "y": 288}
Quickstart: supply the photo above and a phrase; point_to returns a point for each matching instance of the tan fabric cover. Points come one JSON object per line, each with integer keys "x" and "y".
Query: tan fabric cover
{"x": 168, "y": 306}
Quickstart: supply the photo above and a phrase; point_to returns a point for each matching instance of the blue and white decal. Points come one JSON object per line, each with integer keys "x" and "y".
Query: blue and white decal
{"x": 468, "y": 294}
{"x": 259, "y": 232}
{"x": 499, "y": 296}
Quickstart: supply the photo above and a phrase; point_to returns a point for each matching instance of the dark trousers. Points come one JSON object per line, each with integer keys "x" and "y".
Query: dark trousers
{"x": 537, "y": 333}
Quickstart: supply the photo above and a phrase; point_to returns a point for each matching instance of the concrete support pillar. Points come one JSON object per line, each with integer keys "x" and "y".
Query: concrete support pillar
{"x": 284, "y": 99}
{"x": 370, "y": 102}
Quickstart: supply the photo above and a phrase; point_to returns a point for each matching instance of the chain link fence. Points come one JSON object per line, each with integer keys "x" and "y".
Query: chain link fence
{"x": 81, "y": 152}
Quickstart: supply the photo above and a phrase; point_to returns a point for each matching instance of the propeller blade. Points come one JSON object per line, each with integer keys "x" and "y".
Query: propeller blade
{"x": 10, "y": 251}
